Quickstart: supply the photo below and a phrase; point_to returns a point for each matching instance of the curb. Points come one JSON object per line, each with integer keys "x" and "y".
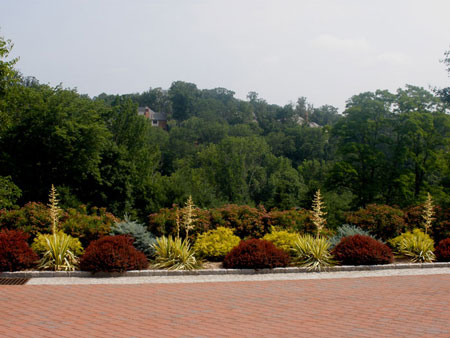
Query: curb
{"x": 206, "y": 272}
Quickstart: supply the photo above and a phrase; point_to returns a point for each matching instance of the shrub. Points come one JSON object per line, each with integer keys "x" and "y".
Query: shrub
{"x": 32, "y": 218}
{"x": 255, "y": 254}
{"x": 163, "y": 223}
{"x": 345, "y": 231}
{"x": 292, "y": 220}
{"x": 40, "y": 245}
{"x": 382, "y": 221}
{"x": 440, "y": 227}
{"x": 416, "y": 245}
{"x": 246, "y": 221}
{"x": 442, "y": 251}
{"x": 87, "y": 226}
{"x": 174, "y": 254}
{"x": 312, "y": 252}
{"x": 113, "y": 254}
{"x": 143, "y": 240}
{"x": 362, "y": 250}
{"x": 282, "y": 239}
{"x": 58, "y": 255}
{"x": 15, "y": 253}
{"x": 215, "y": 244}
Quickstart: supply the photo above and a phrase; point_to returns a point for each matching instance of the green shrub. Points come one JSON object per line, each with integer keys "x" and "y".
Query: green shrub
{"x": 292, "y": 220}
{"x": 58, "y": 255}
{"x": 312, "y": 252}
{"x": 174, "y": 254}
{"x": 87, "y": 226}
{"x": 416, "y": 245}
{"x": 32, "y": 218}
{"x": 282, "y": 239}
{"x": 246, "y": 221}
{"x": 345, "y": 231}
{"x": 40, "y": 245}
{"x": 382, "y": 221}
{"x": 163, "y": 223}
{"x": 143, "y": 240}
{"x": 216, "y": 244}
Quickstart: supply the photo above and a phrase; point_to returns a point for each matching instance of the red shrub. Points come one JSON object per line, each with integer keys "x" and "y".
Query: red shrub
{"x": 382, "y": 221}
{"x": 442, "y": 251}
{"x": 15, "y": 253}
{"x": 362, "y": 250}
{"x": 113, "y": 254}
{"x": 245, "y": 220}
{"x": 255, "y": 254}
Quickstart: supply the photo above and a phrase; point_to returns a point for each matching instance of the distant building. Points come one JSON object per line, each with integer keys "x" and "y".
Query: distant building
{"x": 157, "y": 119}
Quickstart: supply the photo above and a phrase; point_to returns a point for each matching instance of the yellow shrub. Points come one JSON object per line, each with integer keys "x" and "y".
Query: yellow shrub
{"x": 282, "y": 239}
{"x": 418, "y": 246}
{"x": 216, "y": 244}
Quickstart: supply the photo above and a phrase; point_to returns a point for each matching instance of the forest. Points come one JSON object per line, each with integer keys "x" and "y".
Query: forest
{"x": 385, "y": 147}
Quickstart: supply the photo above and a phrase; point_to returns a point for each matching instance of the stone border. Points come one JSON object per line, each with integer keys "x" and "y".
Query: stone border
{"x": 205, "y": 272}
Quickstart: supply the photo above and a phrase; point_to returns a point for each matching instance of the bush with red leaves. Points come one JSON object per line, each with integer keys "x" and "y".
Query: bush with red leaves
{"x": 442, "y": 250}
{"x": 362, "y": 250}
{"x": 15, "y": 253}
{"x": 113, "y": 254}
{"x": 255, "y": 254}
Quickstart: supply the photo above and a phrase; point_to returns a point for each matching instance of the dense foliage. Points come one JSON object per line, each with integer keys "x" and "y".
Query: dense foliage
{"x": 362, "y": 250}
{"x": 346, "y": 230}
{"x": 385, "y": 148}
{"x": 113, "y": 254}
{"x": 416, "y": 245}
{"x": 282, "y": 239}
{"x": 143, "y": 240}
{"x": 215, "y": 244}
{"x": 442, "y": 250}
{"x": 15, "y": 253}
{"x": 255, "y": 254}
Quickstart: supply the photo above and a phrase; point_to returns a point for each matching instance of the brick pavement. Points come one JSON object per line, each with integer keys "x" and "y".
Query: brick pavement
{"x": 402, "y": 306}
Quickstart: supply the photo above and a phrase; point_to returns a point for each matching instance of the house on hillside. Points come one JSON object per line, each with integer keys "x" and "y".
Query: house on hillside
{"x": 157, "y": 119}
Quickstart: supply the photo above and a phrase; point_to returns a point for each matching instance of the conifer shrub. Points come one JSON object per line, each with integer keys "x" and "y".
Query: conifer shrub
{"x": 345, "y": 231}
{"x": 247, "y": 222}
{"x": 282, "y": 239}
{"x": 113, "y": 254}
{"x": 255, "y": 254}
{"x": 416, "y": 245}
{"x": 143, "y": 240}
{"x": 362, "y": 250}
{"x": 15, "y": 253}
{"x": 216, "y": 244}
{"x": 382, "y": 221}
{"x": 442, "y": 250}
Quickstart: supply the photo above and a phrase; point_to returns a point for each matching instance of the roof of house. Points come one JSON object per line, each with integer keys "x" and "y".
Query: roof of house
{"x": 153, "y": 115}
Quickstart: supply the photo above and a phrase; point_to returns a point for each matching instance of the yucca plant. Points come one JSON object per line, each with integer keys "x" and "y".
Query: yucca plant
{"x": 58, "y": 256}
{"x": 418, "y": 246}
{"x": 312, "y": 252}
{"x": 174, "y": 254}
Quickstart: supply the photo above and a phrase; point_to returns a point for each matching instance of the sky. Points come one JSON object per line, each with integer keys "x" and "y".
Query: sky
{"x": 324, "y": 50}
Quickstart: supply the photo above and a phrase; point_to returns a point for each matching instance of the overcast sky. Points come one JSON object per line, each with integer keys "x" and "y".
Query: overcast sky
{"x": 326, "y": 50}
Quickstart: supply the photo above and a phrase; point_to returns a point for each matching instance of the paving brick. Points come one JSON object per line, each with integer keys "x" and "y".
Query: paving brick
{"x": 357, "y": 307}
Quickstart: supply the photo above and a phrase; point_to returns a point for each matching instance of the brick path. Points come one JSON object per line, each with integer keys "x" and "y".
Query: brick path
{"x": 372, "y": 307}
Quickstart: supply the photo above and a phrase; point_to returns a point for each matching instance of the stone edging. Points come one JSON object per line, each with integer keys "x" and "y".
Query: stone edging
{"x": 204, "y": 272}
